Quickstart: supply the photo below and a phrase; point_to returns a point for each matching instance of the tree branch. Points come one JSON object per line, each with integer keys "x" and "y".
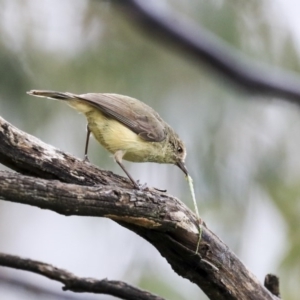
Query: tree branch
{"x": 28, "y": 155}
{"x": 204, "y": 47}
{"x": 146, "y": 209}
{"x": 34, "y": 289}
{"x": 162, "y": 220}
{"x": 76, "y": 284}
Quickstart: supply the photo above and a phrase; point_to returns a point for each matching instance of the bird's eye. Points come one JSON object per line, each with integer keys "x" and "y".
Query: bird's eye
{"x": 179, "y": 149}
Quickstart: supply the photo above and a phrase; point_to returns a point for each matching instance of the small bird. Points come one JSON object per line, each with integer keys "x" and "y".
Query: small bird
{"x": 126, "y": 127}
{"x": 130, "y": 130}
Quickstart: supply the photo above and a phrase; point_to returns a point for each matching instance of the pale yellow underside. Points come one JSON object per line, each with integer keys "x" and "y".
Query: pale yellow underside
{"x": 114, "y": 136}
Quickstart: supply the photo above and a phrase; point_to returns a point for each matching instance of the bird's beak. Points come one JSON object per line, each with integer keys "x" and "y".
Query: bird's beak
{"x": 182, "y": 166}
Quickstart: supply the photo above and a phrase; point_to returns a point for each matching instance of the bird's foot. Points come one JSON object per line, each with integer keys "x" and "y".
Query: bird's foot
{"x": 86, "y": 158}
{"x": 141, "y": 187}
{"x": 144, "y": 187}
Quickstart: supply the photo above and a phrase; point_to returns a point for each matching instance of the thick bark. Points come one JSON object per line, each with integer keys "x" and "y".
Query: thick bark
{"x": 164, "y": 221}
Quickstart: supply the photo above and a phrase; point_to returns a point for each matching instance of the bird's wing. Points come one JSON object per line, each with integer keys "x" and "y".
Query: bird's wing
{"x": 137, "y": 116}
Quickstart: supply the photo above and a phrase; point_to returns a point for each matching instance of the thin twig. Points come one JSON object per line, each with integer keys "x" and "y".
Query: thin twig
{"x": 74, "y": 283}
{"x": 37, "y": 290}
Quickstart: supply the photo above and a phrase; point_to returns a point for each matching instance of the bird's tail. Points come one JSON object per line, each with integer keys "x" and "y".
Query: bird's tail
{"x": 75, "y": 101}
{"x": 52, "y": 94}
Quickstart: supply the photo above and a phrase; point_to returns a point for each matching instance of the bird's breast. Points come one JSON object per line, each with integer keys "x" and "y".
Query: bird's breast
{"x": 114, "y": 136}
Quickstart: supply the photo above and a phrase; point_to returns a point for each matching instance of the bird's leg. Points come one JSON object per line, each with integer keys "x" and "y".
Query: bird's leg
{"x": 118, "y": 157}
{"x": 87, "y": 144}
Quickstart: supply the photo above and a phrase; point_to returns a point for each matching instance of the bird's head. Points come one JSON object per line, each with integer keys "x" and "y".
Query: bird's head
{"x": 177, "y": 152}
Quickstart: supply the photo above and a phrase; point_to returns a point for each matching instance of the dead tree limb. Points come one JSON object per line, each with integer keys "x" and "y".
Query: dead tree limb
{"x": 68, "y": 186}
{"x": 20, "y": 285}
{"x": 16, "y": 284}
{"x": 74, "y": 283}
{"x": 203, "y": 47}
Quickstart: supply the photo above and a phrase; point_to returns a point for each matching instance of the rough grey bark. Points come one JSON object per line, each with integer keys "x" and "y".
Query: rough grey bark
{"x": 68, "y": 186}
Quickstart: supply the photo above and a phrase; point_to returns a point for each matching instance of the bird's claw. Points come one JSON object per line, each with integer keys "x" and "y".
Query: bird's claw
{"x": 141, "y": 187}
{"x": 86, "y": 159}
